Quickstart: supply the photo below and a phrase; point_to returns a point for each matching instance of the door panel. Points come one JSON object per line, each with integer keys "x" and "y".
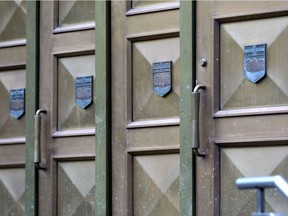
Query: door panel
{"x": 13, "y": 16}
{"x": 239, "y": 93}
{"x": 156, "y": 176}
{"x": 76, "y": 188}
{"x": 71, "y": 13}
{"x": 145, "y": 102}
{"x": 14, "y": 56}
{"x": 145, "y": 126}
{"x": 11, "y": 127}
{"x": 12, "y": 189}
{"x": 244, "y": 162}
{"x": 67, "y": 74}
{"x": 12, "y": 110}
{"x": 144, "y": 3}
{"x": 242, "y": 123}
{"x": 70, "y": 114}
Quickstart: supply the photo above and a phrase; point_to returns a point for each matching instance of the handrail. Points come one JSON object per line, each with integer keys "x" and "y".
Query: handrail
{"x": 261, "y": 183}
{"x": 264, "y": 182}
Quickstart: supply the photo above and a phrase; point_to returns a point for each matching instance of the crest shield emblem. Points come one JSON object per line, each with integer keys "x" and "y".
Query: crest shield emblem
{"x": 162, "y": 77}
{"x": 255, "y": 62}
{"x": 84, "y": 91}
{"x": 17, "y": 103}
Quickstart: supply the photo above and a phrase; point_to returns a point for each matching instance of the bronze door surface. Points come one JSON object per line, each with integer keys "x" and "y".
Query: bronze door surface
{"x": 12, "y": 110}
{"x": 145, "y": 124}
{"x": 66, "y": 82}
{"x": 243, "y": 119}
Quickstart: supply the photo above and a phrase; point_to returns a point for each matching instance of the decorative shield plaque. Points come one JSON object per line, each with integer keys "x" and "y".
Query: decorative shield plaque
{"x": 17, "y": 103}
{"x": 162, "y": 77}
{"x": 84, "y": 91}
{"x": 255, "y": 62}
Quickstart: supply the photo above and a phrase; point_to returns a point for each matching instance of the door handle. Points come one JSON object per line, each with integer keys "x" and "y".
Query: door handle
{"x": 195, "y": 120}
{"x": 37, "y": 140}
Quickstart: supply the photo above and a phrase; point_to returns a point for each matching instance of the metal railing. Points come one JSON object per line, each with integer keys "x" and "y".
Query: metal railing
{"x": 261, "y": 183}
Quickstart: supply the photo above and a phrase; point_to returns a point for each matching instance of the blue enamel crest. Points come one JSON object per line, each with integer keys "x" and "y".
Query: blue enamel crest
{"x": 162, "y": 77}
{"x": 17, "y": 103}
{"x": 255, "y": 62}
{"x": 84, "y": 91}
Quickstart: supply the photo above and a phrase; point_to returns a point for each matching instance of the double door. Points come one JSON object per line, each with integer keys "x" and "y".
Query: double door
{"x": 231, "y": 50}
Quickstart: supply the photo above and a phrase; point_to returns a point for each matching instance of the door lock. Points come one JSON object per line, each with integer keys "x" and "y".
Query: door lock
{"x": 203, "y": 62}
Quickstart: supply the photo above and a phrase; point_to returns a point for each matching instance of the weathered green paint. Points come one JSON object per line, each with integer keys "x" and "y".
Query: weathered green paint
{"x": 31, "y": 174}
{"x": 187, "y": 64}
{"x": 102, "y": 113}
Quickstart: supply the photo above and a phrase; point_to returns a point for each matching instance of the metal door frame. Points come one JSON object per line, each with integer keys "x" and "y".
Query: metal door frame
{"x": 188, "y": 80}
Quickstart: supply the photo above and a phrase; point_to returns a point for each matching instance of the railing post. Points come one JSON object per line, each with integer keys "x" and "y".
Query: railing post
{"x": 260, "y": 200}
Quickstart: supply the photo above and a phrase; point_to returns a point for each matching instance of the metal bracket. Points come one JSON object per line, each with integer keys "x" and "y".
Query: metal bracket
{"x": 195, "y": 120}
{"x": 37, "y": 140}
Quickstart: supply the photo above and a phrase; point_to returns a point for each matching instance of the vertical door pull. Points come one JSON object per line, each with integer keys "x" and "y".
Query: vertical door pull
{"x": 195, "y": 120}
{"x": 37, "y": 141}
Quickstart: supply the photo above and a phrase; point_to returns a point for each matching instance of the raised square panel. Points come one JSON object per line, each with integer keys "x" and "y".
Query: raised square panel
{"x": 76, "y": 188}
{"x": 244, "y": 162}
{"x": 156, "y": 185}
{"x": 71, "y": 115}
{"x": 13, "y": 20}
{"x": 12, "y": 190}
{"x": 10, "y": 127}
{"x": 236, "y": 91}
{"x": 76, "y": 12}
{"x": 147, "y": 104}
